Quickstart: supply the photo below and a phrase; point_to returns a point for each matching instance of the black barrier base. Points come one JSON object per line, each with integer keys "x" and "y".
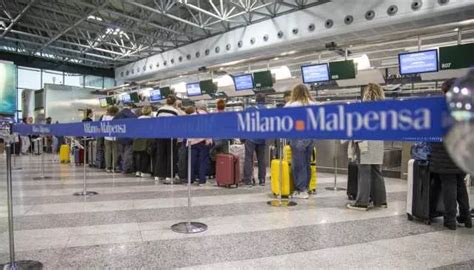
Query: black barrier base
{"x": 189, "y": 227}
{"x": 42, "y": 178}
{"x": 23, "y": 265}
{"x": 87, "y": 193}
{"x": 282, "y": 203}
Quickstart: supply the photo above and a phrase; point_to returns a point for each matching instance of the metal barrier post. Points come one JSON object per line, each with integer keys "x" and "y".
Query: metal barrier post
{"x": 13, "y": 264}
{"x": 84, "y": 191}
{"x": 280, "y": 202}
{"x": 336, "y": 154}
{"x": 189, "y": 226}
{"x": 171, "y": 182}
{"x": 42, "y": 153}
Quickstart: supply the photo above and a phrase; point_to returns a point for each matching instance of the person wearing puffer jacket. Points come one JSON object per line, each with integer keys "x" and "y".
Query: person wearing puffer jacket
{"x": 371, "y": 185}
{"x": 125, "y": 145}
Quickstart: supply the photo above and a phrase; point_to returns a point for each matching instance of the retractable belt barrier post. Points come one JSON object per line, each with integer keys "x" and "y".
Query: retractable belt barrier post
{"x": 189, "y": 226}
{"x": 84, "y": 191}
{"x": 336, "y": 156}
{"x": 42, "y": 153}
{"x": 15, "y": 168}
{"x": 13, "y": 264}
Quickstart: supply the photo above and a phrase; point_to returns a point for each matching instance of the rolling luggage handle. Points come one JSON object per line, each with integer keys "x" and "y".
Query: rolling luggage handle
{"x": 189, "y": 227}
{"x": 84, "y": 191}
{"x": 42, "y": 177}
{"x": 280, "y": 202}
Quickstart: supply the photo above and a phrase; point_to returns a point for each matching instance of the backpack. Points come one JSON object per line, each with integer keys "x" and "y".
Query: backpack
{"x": 420, "y": 151}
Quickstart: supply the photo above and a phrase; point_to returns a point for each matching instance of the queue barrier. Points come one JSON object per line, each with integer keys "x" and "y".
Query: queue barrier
{"x": 419, "y": 119}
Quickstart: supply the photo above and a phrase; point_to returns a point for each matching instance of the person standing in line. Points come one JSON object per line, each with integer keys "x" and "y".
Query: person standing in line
{"x": 140, "y": 148}
{"x": 199, "y": 150}
{"x": 258, "y": 146}
{"x": 451, "y": 177}
{"x": 371, "y": 185}
{"x": 25, "y": 140}
{"x": 125, "y": 148}
{"x": 301, "y": 149}
{"x": 88, "y": 116}
{"x": 162, "y": 168}
{"x": 110, "y": 143}
{"x": 220, "y": 146}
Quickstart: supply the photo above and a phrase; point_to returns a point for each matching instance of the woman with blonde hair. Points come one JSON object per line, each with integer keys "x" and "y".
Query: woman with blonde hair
{"x": 140, "y": 148}
{"x": 371, "y": 185}
{"x": 301, "y": 149}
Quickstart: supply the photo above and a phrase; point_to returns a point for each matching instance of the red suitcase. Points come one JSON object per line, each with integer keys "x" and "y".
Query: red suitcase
{"x": 227, "y": 170}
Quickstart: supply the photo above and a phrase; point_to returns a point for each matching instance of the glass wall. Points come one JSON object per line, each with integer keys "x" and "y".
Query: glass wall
{"x": 31, "y": 78}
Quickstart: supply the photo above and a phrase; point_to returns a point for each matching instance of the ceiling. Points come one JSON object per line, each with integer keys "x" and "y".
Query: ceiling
{"x": 110, "y": 33}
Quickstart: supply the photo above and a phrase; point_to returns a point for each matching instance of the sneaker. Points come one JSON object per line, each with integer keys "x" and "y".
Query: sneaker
{"x": 167, "y": 181}
{"x": 384, "y": 205}
{"x": 144, "y": 175}
{"x": 466, "y": 221}
{"x": 300, "y": 195}
{"x": 357, "y": 207}
{"x": 201, "y": 185}
{"x": 450, "y": 226}
{"x": 157, "y": 179}
{"x": 138, "y": 174}
{"x": 108, "y": 171}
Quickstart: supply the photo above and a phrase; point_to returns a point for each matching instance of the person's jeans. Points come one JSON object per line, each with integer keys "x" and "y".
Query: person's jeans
{"x": 371, "y": 185}
{"x": 301, "y": 151}
{"x": 199, "y": 162}
{"x": 126, "y": 157}
{"x": 111, "y": 154}
{"x": 454, "y": 189}
{"x": 260, "y": 149}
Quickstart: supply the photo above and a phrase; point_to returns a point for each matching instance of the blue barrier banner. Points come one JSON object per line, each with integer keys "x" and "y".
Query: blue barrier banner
{"x": 421, "y": 119}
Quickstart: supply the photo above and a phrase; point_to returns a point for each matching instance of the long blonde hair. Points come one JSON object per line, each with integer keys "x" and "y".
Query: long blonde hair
{"x": 373, "y": 92}
{"x": 300, "y": 93}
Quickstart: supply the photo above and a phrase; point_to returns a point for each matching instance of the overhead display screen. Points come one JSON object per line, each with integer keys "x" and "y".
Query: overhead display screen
{"x": 315, "y": 73}
{"x": 126, "y": 98}
{"x": 418, "y": 62}
{"x": 193, "y": 89}
{"x": 155, "y": 95}
{"x": 103, "y": 102}
{"x": 243, "y": 82}
{"x": 456, "y": 57}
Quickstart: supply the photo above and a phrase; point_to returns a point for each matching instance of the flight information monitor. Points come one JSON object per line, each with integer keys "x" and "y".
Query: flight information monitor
{"x": 103, "y": 102}
{"x": 418, "y": 62}
{"x": 243, "y": 82}
{"x": 126, "y": 98}
{"x": 315, "y": 73}
{"x": 193, "y": 89}
{"x": 155, "y": 95}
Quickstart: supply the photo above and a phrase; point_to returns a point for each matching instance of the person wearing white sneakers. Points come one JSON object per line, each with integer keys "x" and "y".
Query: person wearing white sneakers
{"x": 301, "y": 149}
{"x": 140, "y": 147}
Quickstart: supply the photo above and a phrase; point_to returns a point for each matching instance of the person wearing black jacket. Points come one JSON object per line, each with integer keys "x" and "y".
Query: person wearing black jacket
{"x": 125, "y": 145}
{"x": 451, "y": 176}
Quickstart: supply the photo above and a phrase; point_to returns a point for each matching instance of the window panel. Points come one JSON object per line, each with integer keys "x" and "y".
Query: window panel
{"x": 109, "y": 82}
{"x": 52, "y": 77}
{"x": 94, "y": 81}
{"x": 74, "y": 79}
{"x": 29, "y": 78}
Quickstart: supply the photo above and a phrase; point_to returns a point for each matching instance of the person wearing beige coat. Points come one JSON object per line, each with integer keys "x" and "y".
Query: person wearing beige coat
{"x": 369, "y": 155}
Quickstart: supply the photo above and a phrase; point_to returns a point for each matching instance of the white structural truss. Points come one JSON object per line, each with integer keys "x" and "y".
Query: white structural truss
{"x": 110, "y": 33}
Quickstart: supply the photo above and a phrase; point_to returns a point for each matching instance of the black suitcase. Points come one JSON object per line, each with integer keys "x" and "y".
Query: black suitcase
{"x": 424, "y": 200}
{"x": 352, "y": 180}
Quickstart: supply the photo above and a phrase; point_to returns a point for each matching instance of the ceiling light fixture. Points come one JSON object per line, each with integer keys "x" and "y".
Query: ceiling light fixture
{"x": 92, "y": 17}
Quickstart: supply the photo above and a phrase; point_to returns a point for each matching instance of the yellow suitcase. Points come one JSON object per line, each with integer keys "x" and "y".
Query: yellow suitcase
{"x": 286, "y": 178}
{"x": 287, "y": 153}
{"x": 64, "y": 153}
{"x": 314, "y": 179}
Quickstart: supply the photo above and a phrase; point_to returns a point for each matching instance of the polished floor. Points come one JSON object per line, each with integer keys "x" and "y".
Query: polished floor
{"x": 127, "y": 226}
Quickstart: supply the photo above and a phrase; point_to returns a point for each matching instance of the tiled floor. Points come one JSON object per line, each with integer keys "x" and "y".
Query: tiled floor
{"x": 127, "y": 226}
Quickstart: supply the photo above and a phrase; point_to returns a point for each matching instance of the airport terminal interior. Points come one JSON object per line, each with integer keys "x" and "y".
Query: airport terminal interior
{"x": 84, "y": 201}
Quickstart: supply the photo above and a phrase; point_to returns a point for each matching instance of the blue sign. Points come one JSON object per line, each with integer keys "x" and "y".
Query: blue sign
{"x": 408, "y": 120}
{"x": 315, "y": 73}
{"x": 193, "y": 89}
{"x": 155, "y": 95}
{"x": 418, "y": 62}
{"x": 243, "y": 82}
